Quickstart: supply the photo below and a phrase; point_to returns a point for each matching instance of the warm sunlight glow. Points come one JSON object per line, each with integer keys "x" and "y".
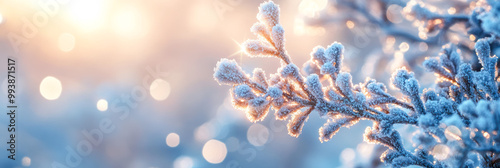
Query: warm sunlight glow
{"x": 50, "y": 88}
{"x": 203, "y": 17}
{"x": 102, "y": 105}
{"x": 87, "y": 15}
{"x": 129, "y": 22}
{"x": 452, "y": 11}
{"x": 66, "y": 42}
{"x": 241, "y": 49}
{"x": 214, "y": 151}
{"x": 173, "y": 140}
{"x": 422, "y": 35}
{"x": 26, "y": 162}
{"x": 159, "y": 89}
{"x": 1, "y": 18}
{"x": 472, "y": 37}
{"x": 486, "y": 135}
{"x": 311, "y": 8}
{"x": 350, "y": 24}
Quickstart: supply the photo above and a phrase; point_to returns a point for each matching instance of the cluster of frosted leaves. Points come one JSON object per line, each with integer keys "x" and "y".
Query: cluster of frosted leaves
{"x": 256, "y": 93}
{"x": 462, "y": 97}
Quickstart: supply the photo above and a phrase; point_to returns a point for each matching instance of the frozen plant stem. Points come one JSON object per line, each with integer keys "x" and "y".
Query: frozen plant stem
{"x": 462, "y": 98}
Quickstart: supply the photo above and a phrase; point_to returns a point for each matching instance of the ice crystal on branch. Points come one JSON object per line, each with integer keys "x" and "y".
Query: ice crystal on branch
{"x": 458, "y": 120}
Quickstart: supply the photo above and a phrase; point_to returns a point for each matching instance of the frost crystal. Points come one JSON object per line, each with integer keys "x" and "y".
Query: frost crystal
{"x": 269, "y": 14}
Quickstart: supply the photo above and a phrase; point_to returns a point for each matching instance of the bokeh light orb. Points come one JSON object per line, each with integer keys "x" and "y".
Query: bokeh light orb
{"x": 50, "y": 88}
{"x": 214, "y": 151}
{"x": 159, "y": 89}
{"x": 452, "y": 133}
{"x": 257, "y": 134}
{"x": 173, "y": 140}
{"x": 102, "y": 105}
{"x": 310, "y": 8}
{"x": 203, "y": 16}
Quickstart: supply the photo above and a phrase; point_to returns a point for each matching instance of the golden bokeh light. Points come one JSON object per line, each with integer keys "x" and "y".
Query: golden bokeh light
{"x": 347, "y": 155}
{"x": 300, "y": 28}
{"x": 87, "y": 15}
{"x": 258, "y": 134}
{"x": 453, "y": 133}
{"x": 173, "y": 140}
{"x": 350, "y": 24}
{"x": 26, "y": 161}
{"x": 422, "y": 35}
{"x": 404, "y": 46}
{"x": 486, "y": 135}
{"x": 472, "y": 37}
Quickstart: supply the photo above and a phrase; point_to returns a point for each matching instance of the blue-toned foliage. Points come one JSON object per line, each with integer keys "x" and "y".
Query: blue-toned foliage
{"x": 461, "y": 114}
